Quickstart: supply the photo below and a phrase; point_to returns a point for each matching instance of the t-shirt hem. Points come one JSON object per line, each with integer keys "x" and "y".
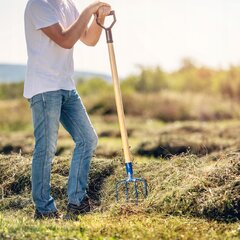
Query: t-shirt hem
{"x": 28, "y": 96}
{"x": 40, "y": 26}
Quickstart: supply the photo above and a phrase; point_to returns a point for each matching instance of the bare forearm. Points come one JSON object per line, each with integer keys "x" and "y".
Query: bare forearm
{"x": 80, "y": 30}
{"x": 77, "y": 29}
{"x": 93, "y": 33}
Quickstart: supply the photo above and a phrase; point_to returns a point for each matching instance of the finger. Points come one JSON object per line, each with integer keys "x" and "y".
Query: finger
{"x": 103, "y": 11}
{"x": 101, "y": 4}
{"x": 106, "y": 10}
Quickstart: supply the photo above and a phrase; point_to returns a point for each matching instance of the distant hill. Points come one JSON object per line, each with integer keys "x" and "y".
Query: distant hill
{"x": 10, "y": 73}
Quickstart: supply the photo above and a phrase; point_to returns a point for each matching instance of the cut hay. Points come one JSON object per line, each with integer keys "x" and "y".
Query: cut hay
{"x": 206, "y": 187}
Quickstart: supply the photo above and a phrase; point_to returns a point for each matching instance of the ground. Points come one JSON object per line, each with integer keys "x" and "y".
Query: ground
{"x": 192, "y": 170}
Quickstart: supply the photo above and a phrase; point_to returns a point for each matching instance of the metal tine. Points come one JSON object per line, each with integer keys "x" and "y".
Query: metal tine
{"x": 134, "y": 181}
{"x": 127, "y": 191}
{"x": 117, "y": 188}
{"x": 136, "y": 191}
{"x": 144, "y": 186}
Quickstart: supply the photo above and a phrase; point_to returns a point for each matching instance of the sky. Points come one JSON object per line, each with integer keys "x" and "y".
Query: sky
{"x": 147, "y": 33}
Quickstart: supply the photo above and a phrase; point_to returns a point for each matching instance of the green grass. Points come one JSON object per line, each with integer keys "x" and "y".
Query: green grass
{"x": 108, "y": 226}
{"x": 189, "y": 198}
{"x": 192, "y": 195}
{"x": 188, "y": 156}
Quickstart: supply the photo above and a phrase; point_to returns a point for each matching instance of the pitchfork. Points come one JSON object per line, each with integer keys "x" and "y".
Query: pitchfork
{"x": 121, "y": 117}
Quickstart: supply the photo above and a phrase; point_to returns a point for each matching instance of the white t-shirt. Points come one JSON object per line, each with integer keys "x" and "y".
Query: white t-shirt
{"x": 49, "y": 67}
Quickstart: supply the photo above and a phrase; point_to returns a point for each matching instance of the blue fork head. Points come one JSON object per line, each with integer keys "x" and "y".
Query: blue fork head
{"x": 129, "y": 180}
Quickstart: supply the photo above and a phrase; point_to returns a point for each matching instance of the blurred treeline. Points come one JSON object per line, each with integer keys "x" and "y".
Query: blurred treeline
{"x": 190, "y": 93}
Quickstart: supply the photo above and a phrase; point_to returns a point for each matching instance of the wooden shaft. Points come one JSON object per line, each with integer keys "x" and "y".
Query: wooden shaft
{"x": 119, "y": 104}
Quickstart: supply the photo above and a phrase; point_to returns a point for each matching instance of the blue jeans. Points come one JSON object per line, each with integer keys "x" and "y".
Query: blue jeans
{"x": 48, "y": 110}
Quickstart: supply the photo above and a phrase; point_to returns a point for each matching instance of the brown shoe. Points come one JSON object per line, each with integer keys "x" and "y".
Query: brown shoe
{"x": 73, "y": 211}
{"x": 51, "y": 215}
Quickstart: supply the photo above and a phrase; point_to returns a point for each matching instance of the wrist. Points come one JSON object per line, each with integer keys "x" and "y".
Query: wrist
{"x": 89, "y": 10}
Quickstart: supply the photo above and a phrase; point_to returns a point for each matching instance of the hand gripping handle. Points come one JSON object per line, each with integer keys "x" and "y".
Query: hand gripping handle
{"x": 112, "y": 13}
{"x": 108, "y": 30}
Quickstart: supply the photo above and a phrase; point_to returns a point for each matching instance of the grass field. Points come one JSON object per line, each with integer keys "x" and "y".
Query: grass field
{"x": 186, "y": 200}
{"x": 192, "y": 169}
{"x": 108, "y": 226}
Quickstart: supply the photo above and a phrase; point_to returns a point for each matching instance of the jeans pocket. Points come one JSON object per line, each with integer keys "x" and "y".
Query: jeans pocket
{"x": 35, "y": 99}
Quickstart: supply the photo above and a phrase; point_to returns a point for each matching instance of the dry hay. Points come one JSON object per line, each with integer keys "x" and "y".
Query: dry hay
{"x": 196, "y": 138}
{"x": 15, "y": 179}
{"x": 206, "y": 187}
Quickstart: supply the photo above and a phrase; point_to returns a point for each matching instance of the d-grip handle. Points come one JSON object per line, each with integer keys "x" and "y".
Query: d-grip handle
{"x": 112, "y": 13}
{"x": 108, "y": 30}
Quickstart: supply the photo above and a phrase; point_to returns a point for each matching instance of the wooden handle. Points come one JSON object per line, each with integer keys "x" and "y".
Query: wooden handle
{"x": 119, "y": 104}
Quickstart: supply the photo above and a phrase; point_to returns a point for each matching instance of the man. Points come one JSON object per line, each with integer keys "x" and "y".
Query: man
{"x": 52, "y": 27}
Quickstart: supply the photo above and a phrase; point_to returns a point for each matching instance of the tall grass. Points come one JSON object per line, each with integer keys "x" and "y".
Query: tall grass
{"x": 15, "y": 115}
{"x": 11, "y": 90}
{"x": 190, "y": 93}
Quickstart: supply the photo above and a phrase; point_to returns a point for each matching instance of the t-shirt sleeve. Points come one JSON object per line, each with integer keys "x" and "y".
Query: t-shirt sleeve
{"x": 75, "y": 9}
{"x": 76, "y": 12}
{"x": 42, "y": 14}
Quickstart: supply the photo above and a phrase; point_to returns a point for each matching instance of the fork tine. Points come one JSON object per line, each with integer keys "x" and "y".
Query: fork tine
{"x": 136, "y": 191}
{"x": 145, "y": 188}
{"x": 126, "y": 190}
